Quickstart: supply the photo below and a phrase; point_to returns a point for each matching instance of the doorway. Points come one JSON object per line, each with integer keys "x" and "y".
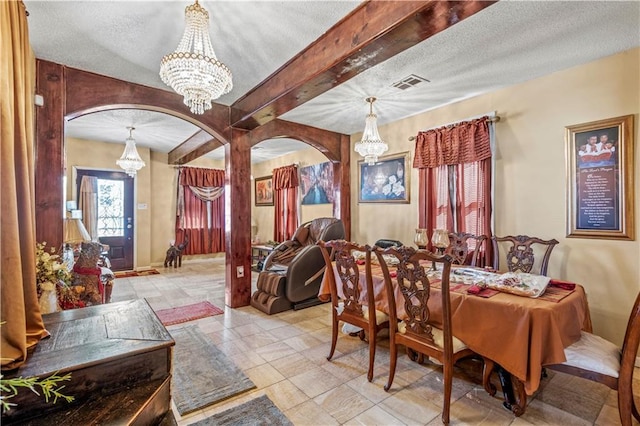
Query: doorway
{"x": 114, "y": 214}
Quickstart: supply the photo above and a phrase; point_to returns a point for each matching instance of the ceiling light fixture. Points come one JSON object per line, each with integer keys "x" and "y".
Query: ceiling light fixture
{"x": 371, "y": 146}
{"x": 193, "y": 70}
{"x": 130, "y": 160}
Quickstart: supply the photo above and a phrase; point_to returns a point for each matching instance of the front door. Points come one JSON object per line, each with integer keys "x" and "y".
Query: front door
{"x": 115, "y": 215}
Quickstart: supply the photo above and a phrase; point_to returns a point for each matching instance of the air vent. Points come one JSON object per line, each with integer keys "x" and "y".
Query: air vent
{"x": 409, "y": 82}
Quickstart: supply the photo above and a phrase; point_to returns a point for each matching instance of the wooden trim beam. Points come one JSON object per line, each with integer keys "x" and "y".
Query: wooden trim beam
{"x": 195, "y": 146}
{"x": 372, "y": 33}
{"x": 324, "y": 141}
{"x": 88, "y": 92}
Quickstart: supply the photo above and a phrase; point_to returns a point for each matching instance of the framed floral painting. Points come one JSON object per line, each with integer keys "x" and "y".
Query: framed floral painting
{"x": 386, "y": 181}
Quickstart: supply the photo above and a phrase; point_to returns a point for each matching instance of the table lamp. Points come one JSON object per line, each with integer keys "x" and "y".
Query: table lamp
{"x": 74, "y": 234}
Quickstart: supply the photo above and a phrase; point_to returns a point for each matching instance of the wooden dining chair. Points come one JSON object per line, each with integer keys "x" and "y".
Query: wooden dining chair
{"x": 418, "y": 331}
{"x": 459, "y": 248}
{"x": 353, "y": 301}
{"x": 596, "y": 359}
{"x": 520, "y": 253}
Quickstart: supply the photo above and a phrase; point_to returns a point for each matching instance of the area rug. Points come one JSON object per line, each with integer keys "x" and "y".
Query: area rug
{"x": 187, "y": 313}
{"x": 126, "y": 274}
{"x": 202, "y": 374}
{"x": 259, "y": 411}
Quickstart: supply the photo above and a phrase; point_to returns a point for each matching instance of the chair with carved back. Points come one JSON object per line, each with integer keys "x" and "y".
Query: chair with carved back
{"x": 460, "y": 251}
{"x": 418, "y": 332}
{"x": 348, "y": 302}
{"x": 522, "y": 253}
{"x": 596, "y": 359}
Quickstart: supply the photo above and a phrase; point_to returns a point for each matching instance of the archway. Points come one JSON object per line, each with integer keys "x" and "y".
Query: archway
{"x": 69, "y": 92}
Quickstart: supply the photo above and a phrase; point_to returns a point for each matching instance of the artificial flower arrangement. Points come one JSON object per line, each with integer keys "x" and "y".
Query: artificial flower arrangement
{"x": 52, "y": 275}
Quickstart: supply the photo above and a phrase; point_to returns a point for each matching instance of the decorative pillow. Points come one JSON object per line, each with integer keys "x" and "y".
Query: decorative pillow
{"x": 301, "y": 235}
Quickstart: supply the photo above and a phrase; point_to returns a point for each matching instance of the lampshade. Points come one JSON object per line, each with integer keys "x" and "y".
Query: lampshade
{"x": 371, "y": 146}
{"x": 193, "y": 70}
{"x": 75, "y": 232}
{"x": 130, "y": 160}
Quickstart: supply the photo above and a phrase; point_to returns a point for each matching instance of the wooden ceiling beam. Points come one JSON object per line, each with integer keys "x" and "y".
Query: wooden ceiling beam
{"x": 372, "y": 33}
{"x": 200, "y": 142}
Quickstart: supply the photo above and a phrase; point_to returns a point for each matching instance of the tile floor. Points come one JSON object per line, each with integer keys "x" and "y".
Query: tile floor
{"x": 285, "y": 356}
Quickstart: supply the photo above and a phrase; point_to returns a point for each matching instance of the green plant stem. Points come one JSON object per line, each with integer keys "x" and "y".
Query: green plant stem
{"x": 50, "y": 388}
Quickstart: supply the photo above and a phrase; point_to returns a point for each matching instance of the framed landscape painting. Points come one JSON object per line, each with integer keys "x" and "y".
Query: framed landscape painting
{"x": 386, "y": 181}
{"x": 316, "y": 184}
{"x": 264, "y": 191}
{"x": 599, "y": 157}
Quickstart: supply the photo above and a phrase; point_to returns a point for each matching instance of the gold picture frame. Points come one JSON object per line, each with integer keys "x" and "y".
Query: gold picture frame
{"x": 600, "y": 174}
{"x": 386, "y": 181}
{"x": 264, "y": 191}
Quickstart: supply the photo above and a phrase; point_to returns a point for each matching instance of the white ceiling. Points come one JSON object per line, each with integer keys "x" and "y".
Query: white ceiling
{"x": 506, "y": 43}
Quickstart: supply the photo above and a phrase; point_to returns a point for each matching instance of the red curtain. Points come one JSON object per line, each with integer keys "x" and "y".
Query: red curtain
{"x": 285, "y": 186}
{"x": 201, "y": 221}
{"x": 454, "y": 175}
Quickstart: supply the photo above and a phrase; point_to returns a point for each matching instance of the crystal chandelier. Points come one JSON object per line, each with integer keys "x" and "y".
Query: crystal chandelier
{"x": 371, "y": 146}
{"x": 130, "y": 160}
{"x": 193, "y": 70}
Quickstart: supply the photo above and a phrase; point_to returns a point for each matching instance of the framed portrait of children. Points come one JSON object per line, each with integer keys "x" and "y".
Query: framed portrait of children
{"x": 386, "y": 181}
{"x": 264, "y": 191}
{"x": 600, "y": 175}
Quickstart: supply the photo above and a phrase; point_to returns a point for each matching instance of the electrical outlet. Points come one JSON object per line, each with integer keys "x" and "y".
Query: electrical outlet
{"x": 240, "y": 271}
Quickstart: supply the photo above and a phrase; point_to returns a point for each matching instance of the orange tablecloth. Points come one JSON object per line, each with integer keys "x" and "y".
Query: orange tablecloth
{"x": 519, "y": 333}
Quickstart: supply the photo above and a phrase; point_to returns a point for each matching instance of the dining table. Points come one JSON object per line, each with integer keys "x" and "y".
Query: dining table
{"x": 520, "y": 334}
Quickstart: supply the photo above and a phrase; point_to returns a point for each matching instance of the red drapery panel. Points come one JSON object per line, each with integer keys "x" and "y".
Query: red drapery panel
{"x": 202, "y": 222}
{"x": 285, "y": 186}
{"x": 465, "y": 142}
{"x": 455, "y": 180}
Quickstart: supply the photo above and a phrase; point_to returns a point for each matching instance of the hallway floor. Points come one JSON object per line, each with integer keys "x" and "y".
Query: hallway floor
{"x": 285, "y": 356}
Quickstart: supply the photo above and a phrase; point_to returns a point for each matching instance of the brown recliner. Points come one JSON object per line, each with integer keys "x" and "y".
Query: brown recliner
{"x": 293, "y": 271}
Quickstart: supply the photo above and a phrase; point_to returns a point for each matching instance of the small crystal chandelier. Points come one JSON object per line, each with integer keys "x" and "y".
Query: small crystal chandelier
{"x": 130, "y": 160}
{"x": 371, "y": 146}
{"x": 193, "y": 70}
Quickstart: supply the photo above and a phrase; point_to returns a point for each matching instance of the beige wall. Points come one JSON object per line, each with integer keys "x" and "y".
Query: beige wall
{"x": 530, "y": 176}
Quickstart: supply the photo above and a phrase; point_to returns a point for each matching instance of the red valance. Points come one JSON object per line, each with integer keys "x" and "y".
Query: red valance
{"x": 199, "y": 176}
{"x": 285, "y": 177}
{"x": 464, "y": 142}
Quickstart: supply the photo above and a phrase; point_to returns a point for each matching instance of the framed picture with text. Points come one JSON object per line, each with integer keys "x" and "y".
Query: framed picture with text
{"x": 386, "y": 181}
{"x": 264, "y": 191}
{"x": 600, "y": 175}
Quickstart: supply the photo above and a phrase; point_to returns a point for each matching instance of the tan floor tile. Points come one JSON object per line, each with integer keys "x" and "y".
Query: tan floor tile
{"x": 316, "y": 381}
{"x": 540, "y": 413}
{"x": 302, "y": 342}
{"x": 374, "y": 416}
{"x": 343, "y": 403}
{"x": 285, "y": 395}
{"x": 275, "y": 351}
{"x": 264, "y": 375}
{"x": 410, "y": 408}
{"x": 609, "y": 416}
{"x": 310, "y": 414}
{"x": 293, "y": 365}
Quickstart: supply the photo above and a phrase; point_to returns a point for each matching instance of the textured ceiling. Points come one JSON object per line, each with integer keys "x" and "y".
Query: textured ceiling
{"x": 506, "y": 43}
